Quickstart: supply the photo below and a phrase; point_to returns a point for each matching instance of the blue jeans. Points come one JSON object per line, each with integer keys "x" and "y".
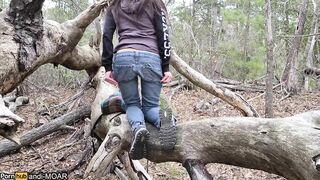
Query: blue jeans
{"x": 127, "y": 67}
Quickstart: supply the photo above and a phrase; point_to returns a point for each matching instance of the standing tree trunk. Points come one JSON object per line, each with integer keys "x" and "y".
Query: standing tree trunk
{"x": 270, "y": 62}
{"x": 312, "y": 40}
{"x": 287, "y": 27}
{"x": 246, "y": 34}
{"x": 289, "y": 76}
{"x": 215, "y": 11}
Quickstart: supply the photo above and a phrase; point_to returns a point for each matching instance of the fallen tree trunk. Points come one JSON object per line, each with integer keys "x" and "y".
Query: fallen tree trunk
{"x": 60, "y": 123}
{"x": 198, "y": 79}
{"x": 288, "y": 147}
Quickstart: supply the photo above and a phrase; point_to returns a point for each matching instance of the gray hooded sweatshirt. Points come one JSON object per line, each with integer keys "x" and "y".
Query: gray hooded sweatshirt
{"x": 146, "y": 32}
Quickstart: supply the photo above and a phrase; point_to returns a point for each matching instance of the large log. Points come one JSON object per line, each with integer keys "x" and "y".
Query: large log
{"x": 54, "y": 43}
{"x": 288, "y": 146}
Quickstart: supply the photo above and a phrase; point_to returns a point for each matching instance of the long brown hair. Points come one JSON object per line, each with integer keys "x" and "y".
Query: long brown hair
{"x": 157, "y": 5}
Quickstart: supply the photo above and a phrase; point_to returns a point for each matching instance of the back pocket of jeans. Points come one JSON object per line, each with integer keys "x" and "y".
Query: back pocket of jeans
{"x": 123, "y": 73}
{"x": 151, "y": 74}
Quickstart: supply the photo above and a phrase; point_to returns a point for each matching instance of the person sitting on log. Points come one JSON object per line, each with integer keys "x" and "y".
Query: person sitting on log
{"x": 143, "y": 52}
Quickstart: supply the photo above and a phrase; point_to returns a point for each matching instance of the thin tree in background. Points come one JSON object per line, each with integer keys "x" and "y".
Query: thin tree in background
{"x": 247, "y": 33}
{"x": 270, "y": 62}
{"x": 287, "y": 27}
{"x": 311, "y": 44}
{"x": 289, "y": 76}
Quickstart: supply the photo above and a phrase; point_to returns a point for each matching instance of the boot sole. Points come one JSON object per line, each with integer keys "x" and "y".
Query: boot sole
{"x": 168, "y": 131}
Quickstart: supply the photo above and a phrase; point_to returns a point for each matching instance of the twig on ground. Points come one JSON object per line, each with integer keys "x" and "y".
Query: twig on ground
{"x": 173, "y": 91}
{"x": 285, "y": 97}
{"x": 260, "y": 95}
{"x": 85, "y": 86}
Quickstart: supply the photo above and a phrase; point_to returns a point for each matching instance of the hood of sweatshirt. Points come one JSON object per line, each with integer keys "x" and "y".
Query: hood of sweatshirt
{"x": 130, "y": 6}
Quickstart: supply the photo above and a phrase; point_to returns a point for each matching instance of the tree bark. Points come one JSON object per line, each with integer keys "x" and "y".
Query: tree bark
{"x": 287, "y": 27}
{"x": 247, "y": 33}
{"x": 310, "y": 46}
{"x": 56, "y": 43}
{"x": 27, "y": 19}
{"x": 284, "y": 146}
{"x": 270, "y": 62}
{"x": 289, "y": 75}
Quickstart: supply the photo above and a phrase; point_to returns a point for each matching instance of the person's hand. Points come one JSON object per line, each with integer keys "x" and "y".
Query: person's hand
{"x": 166, "y": 78}
{"x": 110, "y": 79}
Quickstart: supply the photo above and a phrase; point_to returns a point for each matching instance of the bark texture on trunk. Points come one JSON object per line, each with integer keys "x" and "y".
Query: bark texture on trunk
{"x": 311, "y": 43}
{"x": 43, "y": 42}
{"x": 289, "y": 75}
{"x": 285, "y": 146}
{"x": 27, "y": 19}
{"x": 270, "y": 62}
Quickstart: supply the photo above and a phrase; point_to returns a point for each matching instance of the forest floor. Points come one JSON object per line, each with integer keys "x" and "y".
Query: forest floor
{"x": 44, "y": 154}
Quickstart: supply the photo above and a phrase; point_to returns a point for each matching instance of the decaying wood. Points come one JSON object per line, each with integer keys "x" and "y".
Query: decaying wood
{"x": 27, "y": 42}
{"x": 57, "y": 44}
{"x": 28, "y": 30}
{"x": 27, "y": 138}
{"x": 110, "y": 147}
{"x": 140, "y": 169}
{"x": 286, "y": 146}
{"x": 9, "y": 123}
{"x": 103, "y": 90}
{"x": 15, "y": 103}
{"x": 196, "y": 170}
{"x": 283, "y": 146}
{"x": 125, "y": 160}
{"x": 198, "y": 79}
